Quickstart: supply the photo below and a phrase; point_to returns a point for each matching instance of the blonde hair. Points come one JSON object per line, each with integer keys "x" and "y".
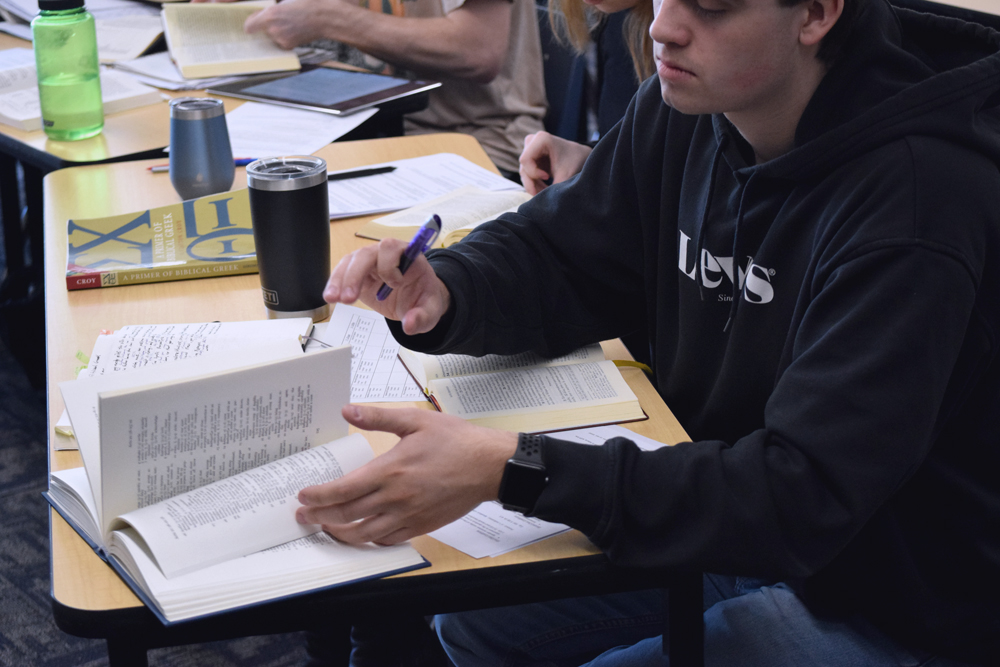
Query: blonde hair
{"x": 572, "y": 22}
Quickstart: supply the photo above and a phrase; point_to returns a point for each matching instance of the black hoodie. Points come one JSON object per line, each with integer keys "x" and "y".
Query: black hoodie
{"x": 824, "y": 325}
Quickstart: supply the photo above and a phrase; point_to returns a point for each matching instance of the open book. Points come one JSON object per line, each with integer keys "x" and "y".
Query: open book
{"x": 19, "y": 105}
{"x": 191, "y": 472}
{"x": 207, "y": 40}
{"x": 461, "y": 211}
{"x": 525, "y": 392}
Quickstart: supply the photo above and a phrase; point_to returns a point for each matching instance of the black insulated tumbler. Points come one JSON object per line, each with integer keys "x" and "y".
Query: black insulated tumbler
{"x": 290, "y": 209}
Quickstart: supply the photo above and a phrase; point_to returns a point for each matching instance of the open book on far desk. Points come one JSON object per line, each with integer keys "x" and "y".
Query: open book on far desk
{"x": 207, "y": 40}
{"x": 19, "y": 106}
{"x": 191, "y": 473}
{"x": 525, "y": 392}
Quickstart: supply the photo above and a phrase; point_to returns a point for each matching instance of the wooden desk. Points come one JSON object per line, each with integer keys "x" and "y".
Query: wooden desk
{"x": 89, "y": 599}
{"x": 129, "y": 135}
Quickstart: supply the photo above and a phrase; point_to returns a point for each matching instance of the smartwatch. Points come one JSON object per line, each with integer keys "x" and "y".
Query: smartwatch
{"x": 524, "y": 476}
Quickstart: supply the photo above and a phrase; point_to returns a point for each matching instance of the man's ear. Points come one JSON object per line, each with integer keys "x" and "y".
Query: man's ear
{"x": 820, "y": 18}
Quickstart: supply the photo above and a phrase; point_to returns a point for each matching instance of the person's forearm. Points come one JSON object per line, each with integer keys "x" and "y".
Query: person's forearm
{"x": 470, "y": 43}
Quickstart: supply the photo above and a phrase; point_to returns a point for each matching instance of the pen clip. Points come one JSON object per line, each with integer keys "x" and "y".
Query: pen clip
{"x": 433, "y": 224}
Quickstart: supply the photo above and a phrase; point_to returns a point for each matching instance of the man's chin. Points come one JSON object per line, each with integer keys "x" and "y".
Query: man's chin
{"x": 682, "y": 103}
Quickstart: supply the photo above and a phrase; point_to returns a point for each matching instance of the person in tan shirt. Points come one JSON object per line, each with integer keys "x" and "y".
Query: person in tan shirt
{"x": 487, "y": 53}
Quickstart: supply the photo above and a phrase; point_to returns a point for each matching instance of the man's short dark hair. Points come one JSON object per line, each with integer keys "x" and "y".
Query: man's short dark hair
{"x": 833, "y": 42}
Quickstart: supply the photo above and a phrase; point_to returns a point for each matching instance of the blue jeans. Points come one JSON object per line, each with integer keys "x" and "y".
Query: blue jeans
{"x": 746, "y": 623}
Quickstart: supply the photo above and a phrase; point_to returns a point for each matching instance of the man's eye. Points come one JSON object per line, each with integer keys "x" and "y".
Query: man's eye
{"x": 704, "y": 12}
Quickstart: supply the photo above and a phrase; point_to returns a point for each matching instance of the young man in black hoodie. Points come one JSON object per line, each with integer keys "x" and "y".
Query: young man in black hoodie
{"x": 811, "y": 240}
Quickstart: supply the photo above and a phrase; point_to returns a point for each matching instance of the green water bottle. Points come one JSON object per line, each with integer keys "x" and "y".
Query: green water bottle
{"x": 69, "y": 78}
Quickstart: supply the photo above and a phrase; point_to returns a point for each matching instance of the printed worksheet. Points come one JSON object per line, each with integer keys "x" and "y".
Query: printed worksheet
{"x": 490, "y": 530}
{"x": 377, "y": 374}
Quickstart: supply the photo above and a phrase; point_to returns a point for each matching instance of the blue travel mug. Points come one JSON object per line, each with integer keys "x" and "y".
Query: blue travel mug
{"x": 201, "y": 159}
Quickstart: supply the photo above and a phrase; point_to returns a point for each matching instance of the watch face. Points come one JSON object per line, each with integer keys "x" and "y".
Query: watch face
{"x": 522, "y": 484}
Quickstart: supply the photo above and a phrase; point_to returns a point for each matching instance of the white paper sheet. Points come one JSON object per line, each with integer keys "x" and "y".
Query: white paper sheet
{"x": 490, "y": 530}
{"x": 377, "y": 375}
{"x": 414, "y": 181}
{"x": 265, "y": 130}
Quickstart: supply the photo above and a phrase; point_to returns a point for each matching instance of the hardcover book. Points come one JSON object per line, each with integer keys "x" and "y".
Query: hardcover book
{"x": 191, "y": 471}
{"x": 200, "y": 238}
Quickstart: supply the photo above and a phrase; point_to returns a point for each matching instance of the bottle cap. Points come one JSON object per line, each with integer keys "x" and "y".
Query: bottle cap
{"x": 286, "y": 173}
{"x": 59, "y": 5}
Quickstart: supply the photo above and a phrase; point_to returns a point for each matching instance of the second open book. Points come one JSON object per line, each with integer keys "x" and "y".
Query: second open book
{"x": 191, "y": 473}
{"x": 525, "y": 392}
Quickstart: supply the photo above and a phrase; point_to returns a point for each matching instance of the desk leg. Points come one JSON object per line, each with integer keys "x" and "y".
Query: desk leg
{"x": 10, "y": 209}
{"x": 684, "y": 636}
{"x": 34, "y": 197}
{"x": 126, "y": 653}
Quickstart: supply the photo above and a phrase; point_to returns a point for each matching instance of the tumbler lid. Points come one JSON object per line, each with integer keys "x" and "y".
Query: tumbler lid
{"x": 58, "y": 5}
{"x": 296, "y": 172}
{"x": 195, "y": 108}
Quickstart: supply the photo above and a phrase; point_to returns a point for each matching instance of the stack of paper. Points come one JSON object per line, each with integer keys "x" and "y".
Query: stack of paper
{"x": 414, "y": 181}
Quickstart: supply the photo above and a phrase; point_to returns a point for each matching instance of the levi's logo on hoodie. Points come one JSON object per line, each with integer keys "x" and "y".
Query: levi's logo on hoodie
{"x": 754, "y": 280}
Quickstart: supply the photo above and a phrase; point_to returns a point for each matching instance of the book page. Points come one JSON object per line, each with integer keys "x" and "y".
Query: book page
{"x": 162, "y": 440}
{"x": 377, "y": 374}
{"x": 17, "y": 70}
{"x": 205, "y": 34}
{"x": 81, "y": 397}
{"x": 528, "y": 390}
{"x": 289, "y": 131}
{"x": 217, "y": 27}
{"x": 137, "y": 346}
{"x": 126, "y": 37}
{"x": 119, "y": 91}
{"x": 467, "y": 206}
{"x": 454, "y": 365}
{"x": 490, "y": 530}
{"x": 414, "y": 181}
{"x": 21, "y": 104}
{"x": 242, "y": 514}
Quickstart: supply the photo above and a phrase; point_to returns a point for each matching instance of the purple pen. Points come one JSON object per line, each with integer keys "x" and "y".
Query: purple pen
{"x": 420, "y": 244}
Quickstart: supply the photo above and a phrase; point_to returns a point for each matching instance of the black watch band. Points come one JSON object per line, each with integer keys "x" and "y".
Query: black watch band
{"x": 524, "y": 476}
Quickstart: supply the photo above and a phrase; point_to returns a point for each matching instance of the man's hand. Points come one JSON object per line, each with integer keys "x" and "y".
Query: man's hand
{"x": 546, "y": 156}
{"x": 419, "y": 299}
{"x": 296, "y": 22}
{"x": 442, "y": 468}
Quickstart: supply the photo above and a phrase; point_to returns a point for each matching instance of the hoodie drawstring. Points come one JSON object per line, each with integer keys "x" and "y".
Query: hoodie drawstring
{"x": 737, "y": 283}
{"x": 699, "y": 244}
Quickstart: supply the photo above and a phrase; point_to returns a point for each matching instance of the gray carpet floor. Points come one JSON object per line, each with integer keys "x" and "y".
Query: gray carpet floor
{"x": 28, "y": 635}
